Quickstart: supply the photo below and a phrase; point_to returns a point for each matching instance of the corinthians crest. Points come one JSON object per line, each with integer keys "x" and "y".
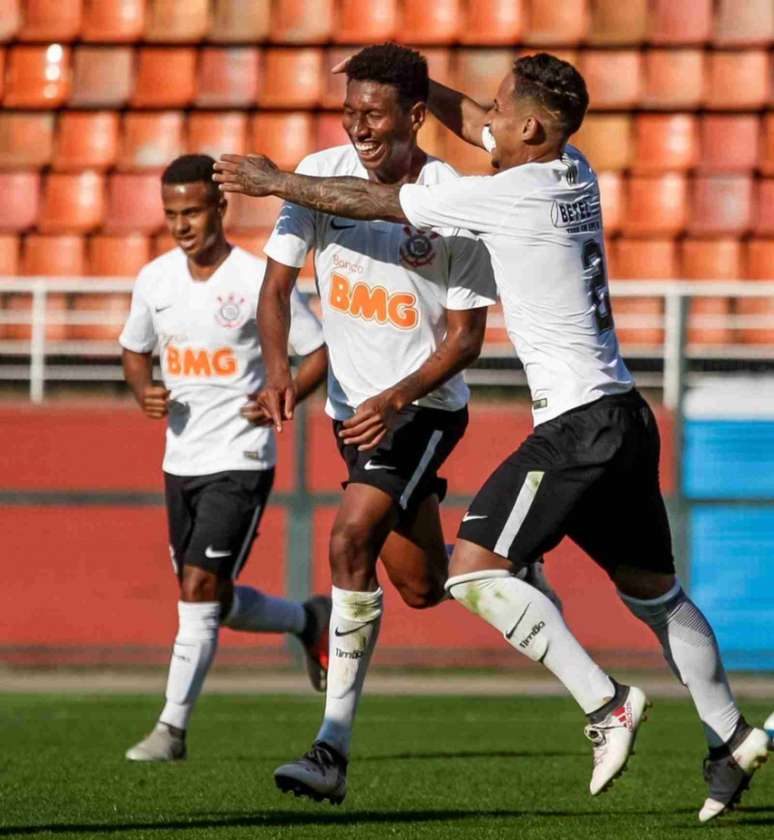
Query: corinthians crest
{"x": 418, "y": 249}
{"x": 231, "y": 311}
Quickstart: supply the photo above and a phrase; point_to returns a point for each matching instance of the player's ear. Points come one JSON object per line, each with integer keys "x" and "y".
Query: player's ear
{"x": 532, "y": 130}
{"x": 418, "y": 115}
{"x": 222, "y": 205}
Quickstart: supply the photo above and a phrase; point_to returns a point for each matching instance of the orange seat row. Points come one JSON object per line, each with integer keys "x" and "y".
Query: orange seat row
{"x": 541, "y": 22}
{"x": 49, "y": 76}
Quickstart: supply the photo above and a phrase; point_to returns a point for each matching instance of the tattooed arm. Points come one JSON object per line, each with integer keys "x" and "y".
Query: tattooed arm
{"x": 353, "y": 198}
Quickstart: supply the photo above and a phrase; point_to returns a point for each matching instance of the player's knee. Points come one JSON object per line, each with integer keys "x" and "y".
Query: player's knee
{"x": 642, "y": 583}
{"x": 350, "y": 545}
{"x": 420, "y": 596}
{"x": 198, "y": 586}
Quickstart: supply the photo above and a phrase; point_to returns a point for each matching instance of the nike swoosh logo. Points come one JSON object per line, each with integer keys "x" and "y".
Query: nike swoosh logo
{"x": 336, "y": 226}
{"x": 212, "y": 554}
{"x": 338, "y": 632}
{"x": 162, "y": 308}
{"x": 510, "y": 633}
{"x": 369, "y": 466}
{"x": 470, "y": 516}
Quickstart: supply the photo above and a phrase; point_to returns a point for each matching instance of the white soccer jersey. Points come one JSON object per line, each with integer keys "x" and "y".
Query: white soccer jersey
{"x": 210, "y": 358}
{"x": 384, "y": 288}
{"x": 542, "y": 225}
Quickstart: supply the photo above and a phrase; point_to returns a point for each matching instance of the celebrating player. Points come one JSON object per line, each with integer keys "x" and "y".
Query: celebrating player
{"x": 590, "y": 468}
{"x": 198, "y": 302}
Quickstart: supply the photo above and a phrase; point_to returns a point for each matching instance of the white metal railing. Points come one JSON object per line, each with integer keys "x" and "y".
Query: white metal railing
{"x": 674, "y": 350}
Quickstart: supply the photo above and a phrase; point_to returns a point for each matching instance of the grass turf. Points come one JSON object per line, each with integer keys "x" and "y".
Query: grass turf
{"x": 423, "y": 767}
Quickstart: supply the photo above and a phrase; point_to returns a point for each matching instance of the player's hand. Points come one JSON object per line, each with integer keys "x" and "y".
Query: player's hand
{"x": 278, "y": 400}
{"x": 252, "y": 175}
{"x": 373, "y": 419}
{"x": 155, "y": 401}
{"x": 256, "y": 411}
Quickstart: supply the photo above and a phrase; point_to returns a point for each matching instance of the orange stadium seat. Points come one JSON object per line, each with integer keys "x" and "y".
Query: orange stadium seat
{"x": 468, "y": 159}
{"x": 611, "y": 197}
{"x": 738, "y": 80}
{"x": 721, "y": 204}
{"x": 439, "y": 64}
{"x": 764, "y": 208}
{"x": 110, "y": 310}
{"x": 176, "y": 21}
{"x": 729, "y": 142}
{"x": 53, "y": 256}
{"x": 9, "y": 254}
{"x": 717, "y": 259}
{"x": 365, "y": 23}
{"x": 606, "y": 140}
{"x": 162, "y": 242}
{"x": 134, "y": 203}
{"x": 37, "y": 77}
{"x": 10, "y": 19}
{"x": 674, "y": 79}
{"x": 117, "y": 256}
{"x": 292, "y": 78}
{"x": 56, "y": 307}
{"x": 26, "y": 140}
{"x": 616, "y": 23}
{"x": 245, "y": 213}
{"x": 240, "y": 21}
{"x": 102, "y": 77}
{"x": 555, "y": 24}
{"x": 334, "y": 84}
{"x": 613, "y": 77}
{"x": 284, "y": 137}
{"x": 497, "y": 22}
{"x": 228, "y": 77}
{"x": 2, "y": 71}
{"x": 746, "y": 24}
{"x": 759, "y": 262}
{"x": 432, "y": 137}
{"x": 86, "y": 140}
{"x": 665, "y": 143}
{"x": 166, "y": 77}
{"x": 766, "y": 162}
{"x": 330, "y": 132}
{"x": 684, "y": 22}
{"x": 21, "y": 200}
{"x": 120, "y": 21}
{"x": 479, "y": 72}
{"x": 50, "y": 20}
{"x": 655, "y": 205}
{"x": 150, "y": 140}
{"x": 429, "y": 21}
{"x": 72, "y": 202}
{"x": 217, "y": 132}
{"x": 302, "y": 22}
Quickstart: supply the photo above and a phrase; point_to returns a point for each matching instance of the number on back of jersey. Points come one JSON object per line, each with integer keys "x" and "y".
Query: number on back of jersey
{"x": 596, "y": 281}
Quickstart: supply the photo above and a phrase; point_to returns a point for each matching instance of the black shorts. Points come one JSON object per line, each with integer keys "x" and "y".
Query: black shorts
{"x": 405, "y": 464}
{"x": 213, "y": 519}
{"x": 590, "y": 474}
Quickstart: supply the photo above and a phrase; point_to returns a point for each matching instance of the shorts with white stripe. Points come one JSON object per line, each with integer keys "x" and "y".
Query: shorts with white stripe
{"x": 213, "y": 519}
{"x": 590, "y": 474}
{"x": 405, "y": 464}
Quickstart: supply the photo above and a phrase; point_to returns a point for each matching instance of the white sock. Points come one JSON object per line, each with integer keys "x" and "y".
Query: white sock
{"x": 257, "y": 612}
{"x": 192, "y": 655}
{"x": 534, "y": 626}
{"x": 691, "y": 650}
{"x": 354, "y": 629}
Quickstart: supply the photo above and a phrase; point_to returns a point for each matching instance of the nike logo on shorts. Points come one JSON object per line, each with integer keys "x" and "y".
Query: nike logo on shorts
{"x": 371, "y": 466}
{"x": 470, "y": 516}
{"x": 212, "y": 553}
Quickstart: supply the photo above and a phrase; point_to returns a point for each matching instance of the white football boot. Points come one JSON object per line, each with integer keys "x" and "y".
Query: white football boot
{"x": 729, "y": 776}
{"x": 320, "y": 774}
{"x": 160, "y": 745}
{"x": 613, "y": 739}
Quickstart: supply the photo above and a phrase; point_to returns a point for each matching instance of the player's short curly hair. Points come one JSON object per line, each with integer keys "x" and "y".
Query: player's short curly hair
{"x": 392, "y": 64}
{"x": 188, "y": 169}
{"x": 554, "y": 84}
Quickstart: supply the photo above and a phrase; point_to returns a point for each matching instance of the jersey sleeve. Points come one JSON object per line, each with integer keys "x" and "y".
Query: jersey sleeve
{"x": 305, "y": 330}
{"x": 293, "y": 234}
{"x": 139, "y": 334}
{"x": 471, "y": 281}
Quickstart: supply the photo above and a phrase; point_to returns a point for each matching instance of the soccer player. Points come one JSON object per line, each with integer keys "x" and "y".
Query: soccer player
{"x": 198, "y": 303}
{"x": 590, "y": 468}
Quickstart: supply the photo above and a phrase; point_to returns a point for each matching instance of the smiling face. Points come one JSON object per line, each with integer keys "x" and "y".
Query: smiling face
{"x": 383, "y": 132}
{"x": 509, "y": 123}
{"x": 194, "y": 216}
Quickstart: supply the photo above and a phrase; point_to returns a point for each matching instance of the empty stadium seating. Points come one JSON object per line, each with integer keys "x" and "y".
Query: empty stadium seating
{"x": 240, "y": 21}
{"x": 113, "y": 21}
{"x": 665, "y": 143}
{"x": 177, "y": 21}
{"x": 614, "y": 23}
{"x": 26, "y": 139}
{"x": 365, "y": 23}
{"x": 21, "y": 199}
{"x": 429, "y": 21}
{"x": 656, "y": 205}
{"x": 709, "y": 260}
{"x": 673, "y": 79}
{"x": 50, "y": 20}
{"x": 680, "y": 23}
{"x": 292, "y": 78}
{"x": 493, "y": 22}
{"x": 228, "y": 77}
{"x": 150, "y": 139}
{"x": 86, "y": 140}
{"x": 613, "y": 77}
{"x": 72, "y": 202}
{"x": 557, "y": 24}
{"x": 117, "y": 256}
{"x": 729, "y": 142}
{"x": 63, "y": 255}
{"x": 285, "y": 137}
{"x": 217, "y": 132}
{"x": 10, "y": 19}
{"x": 759, "y": 265}
{"x": 606, "y": 140}
{"x": 166, "y": 77}
{"x": 103, "y": 77}
{"x": 302, "y": 22}
{"x": 37, "y": 76}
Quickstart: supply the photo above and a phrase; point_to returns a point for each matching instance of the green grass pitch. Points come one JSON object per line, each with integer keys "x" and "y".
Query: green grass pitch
{"x": 423, "y": 767}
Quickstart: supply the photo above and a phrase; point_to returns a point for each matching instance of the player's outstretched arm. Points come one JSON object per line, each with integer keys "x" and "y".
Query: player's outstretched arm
{"x": 464, "y": 338}
{"x": 152, "y": 398}
{"x": 353, "y": 198}
{"x": 458, "y": 112}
